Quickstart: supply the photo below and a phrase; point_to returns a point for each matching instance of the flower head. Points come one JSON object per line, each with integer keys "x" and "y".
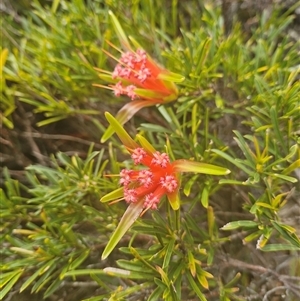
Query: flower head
{"x": 139, "y": 77}
{"x": 159, "y": 178}
{"x": 154, "y": 177}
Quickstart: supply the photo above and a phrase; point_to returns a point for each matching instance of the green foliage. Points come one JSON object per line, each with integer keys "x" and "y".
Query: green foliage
{"x": 52, "y": 66}
{"x": 238, "y": 107}
{"x": 7, "y": 103}
{"x": 62, "y": 200}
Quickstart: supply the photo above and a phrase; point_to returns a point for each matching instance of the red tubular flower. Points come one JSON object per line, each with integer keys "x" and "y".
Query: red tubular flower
{"x": 143, "y": 188}
{"x": 152, "y": 183}
{"x": 137, "y": 76}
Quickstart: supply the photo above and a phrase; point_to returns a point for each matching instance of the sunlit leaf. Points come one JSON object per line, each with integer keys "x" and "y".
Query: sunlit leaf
{"x": 174, "y": 200}
{"x": 10, "y": 282}
{"x": 125, "y": 113}
{"x": 195, "y": 287}
{"x": 239, "y": 224}
{"x": 145, "y": 144}
{"x": 114, "y": 195}
{"x": 122, "y": 134}
{"x": 199, "y": 167}
{"x": 119, "y": 30}
{"x": 132, "y": 212}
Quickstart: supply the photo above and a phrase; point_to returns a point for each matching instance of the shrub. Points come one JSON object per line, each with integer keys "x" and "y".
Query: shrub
{"x": 235, "y": 236}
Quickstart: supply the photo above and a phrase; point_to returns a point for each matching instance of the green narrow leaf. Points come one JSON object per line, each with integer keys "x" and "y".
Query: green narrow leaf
{"x": 135, "y": 43}
{"x": 79, "y": 259}
{"x": 12, "y": 281}
{"x": 203, "y": 281}
{"x": 169, "y": 253}
{"x": 234, "y": 182}
{"x": 135, "y": 266}
{"x": 204, "y": 197}
{"x": 52, "y": 288}
{"x": 239, "y": 224}
{"x": 265, "y": 205}
{"x": 191, "y": 263}
{"x": 3, "y": 57}
{"x": 288, "y": 233}
{"x": 114, "y": 195}
{"x": 156, "y": 294}
{"x": 160, "y": 284}
{"x": 136, "y": 254}
{"x": 125, "y": 113}
{"x": 189, "y": 184}
{"x": 172, "y": 77}
{"x": 33, "y": 277}
{"x": 199, "y": 167}
{"x": 233, "y": 161}
{"x": 164, "y": 276}
{"x": 55, "y": 6}
{"x": 6, "y": 121}
{"x": 284, "y": 177}
{"x": 244, "y": 147}
{"x": 203, "y": 51}
{"x": 119, "y": 31}
{"x": 46, "y": 276}
{"x": 233, "y": 281}
{"x": 275, "y": 123}
{"x": 83, "y": 272}
{"x": 51, "y": 120}
{"x": 195, "y": 287}
{"x": 211, "y": 221}
{"x": 150, "y": 127}
{"x": 131, "y": 214}
{"x": 146, "y": 144}
{"x": 122, "y": 134}
{"x": 174, "y": 199}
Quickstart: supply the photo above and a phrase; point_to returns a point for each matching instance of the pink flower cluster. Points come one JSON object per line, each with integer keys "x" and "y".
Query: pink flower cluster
{"x": 150, "y": 184}
{"x": 132, "y": 63}
{"x": 141, "y": 72}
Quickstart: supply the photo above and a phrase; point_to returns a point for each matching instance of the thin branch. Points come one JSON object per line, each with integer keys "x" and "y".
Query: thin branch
{"x": 247, "y": 266}
{"x": 285, "y": 279}
{"x": 61, "y": 137}
{"x": 272, "y": 291}
{"x": 35, "y": 149}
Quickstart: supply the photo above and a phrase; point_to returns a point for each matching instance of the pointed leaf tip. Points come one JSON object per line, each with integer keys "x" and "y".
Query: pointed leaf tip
{"x": 199, "y": 167}
{"x": 119, "y": 31}
{"x": 119, "y": 130}
{"x": 171, "y": 77}
{"x": 113, "y": 195}
{"x": 107, "y": 134}
{"x": 174, "y": 200}
{"x": 131, "y": 214}
{"x": 145, "y": 144}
